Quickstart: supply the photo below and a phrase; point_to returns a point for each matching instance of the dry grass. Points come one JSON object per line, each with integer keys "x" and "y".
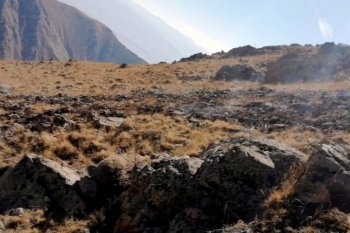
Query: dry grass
{"x": 304, "y": 140}
{"x": 156, "y": 133}
{"x": 142, "y": 134}
{"x": 86, "y": 78}
{"x": 37, "y": 222}
{"x": 25, "y": 223}
{"x": 280, "y": 211}
{"x": 298, "y": 138}
{"x": 325, "y": 86}
{"x": 106, "y": 79}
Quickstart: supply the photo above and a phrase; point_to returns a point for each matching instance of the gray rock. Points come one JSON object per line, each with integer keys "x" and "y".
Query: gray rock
{"x": 28, "y": 183}
{"x": 190, "y": 220}
{"x": 115, "y": 170}
{"x": 236, "y": 169}
{"x": 114, "y": 122}
{"x": 238, "y": 72}
{"x": 5, "y": 89}
{"x": 327, "y": 179}
{"x": 88, "y": 186}
{"x": 16, "y": 212}
{"x": 159, "y": 189}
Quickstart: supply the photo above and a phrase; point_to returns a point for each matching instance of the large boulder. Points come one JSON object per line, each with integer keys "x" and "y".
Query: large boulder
{"x": 229, "y": 181}
{"x": 239, "y": 174}
{"x": 38, "y": 182}
{"x": 113, "y": 173}
{"x": 159, "y": 191}
{"x": 237, "y": 72}
{"x": 327, "y": 179}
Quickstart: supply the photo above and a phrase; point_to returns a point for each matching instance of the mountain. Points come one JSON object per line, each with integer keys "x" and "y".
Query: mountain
{"x": 44, "y": 29}
{"x": 140, "y": 31}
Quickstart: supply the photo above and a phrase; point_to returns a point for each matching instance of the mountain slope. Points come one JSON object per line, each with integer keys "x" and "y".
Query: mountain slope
{"x": 139, "y": 30}
{"x": 44, "y": 29}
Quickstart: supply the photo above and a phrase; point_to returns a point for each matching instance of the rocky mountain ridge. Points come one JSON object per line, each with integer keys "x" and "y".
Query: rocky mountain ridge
{"x": 294, "y": 64}
{"x": 43, "y": 30}
{"x": 143, "y": 33}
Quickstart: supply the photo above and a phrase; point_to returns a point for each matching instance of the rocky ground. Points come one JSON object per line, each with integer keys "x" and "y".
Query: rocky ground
{"x": 221, "y": 143}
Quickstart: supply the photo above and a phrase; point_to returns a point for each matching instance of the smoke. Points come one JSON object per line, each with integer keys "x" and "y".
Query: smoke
{"x": 325, "y": 29}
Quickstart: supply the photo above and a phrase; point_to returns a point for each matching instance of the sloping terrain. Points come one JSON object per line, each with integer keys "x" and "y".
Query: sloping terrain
{"x": 171, "y": 147}
{"x": 140, "y": 31}
{"x": 41, "y": 30}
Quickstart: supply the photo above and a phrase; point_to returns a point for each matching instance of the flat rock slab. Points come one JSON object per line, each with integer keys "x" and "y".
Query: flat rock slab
{"x": 111, "y": 121}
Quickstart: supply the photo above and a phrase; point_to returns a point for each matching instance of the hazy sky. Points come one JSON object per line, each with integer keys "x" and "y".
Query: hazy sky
{"x": 224, "y": 24}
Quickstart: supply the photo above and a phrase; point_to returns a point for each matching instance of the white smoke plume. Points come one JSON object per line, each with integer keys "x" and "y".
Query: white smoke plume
{"x": 325, "y": 28}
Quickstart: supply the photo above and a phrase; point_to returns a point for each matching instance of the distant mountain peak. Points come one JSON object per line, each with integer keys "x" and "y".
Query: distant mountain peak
{"x": 45, "y": 29}
{"x": 139, "y": 30}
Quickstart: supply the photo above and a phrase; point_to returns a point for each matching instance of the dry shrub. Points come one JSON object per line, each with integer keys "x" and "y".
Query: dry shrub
{"x": 298, "y": 138}
{"x": 222, "y": 126}
{"x": 146, "y": 134}
{"x": 238, "y": 227}
{"x": 101, "y": 155}
{"x": 58, "y": 147}
{"x": 331, "y": 221}
{"x": 281, "y": 210}
{"x": 125, "y": 140}
{"x": 85, "y": 145}
{"x": 279, "y": 203}
{"x": 197, "y": 142}
{"x": 26, "y": 223}
{"x": 309, "y": 230}
{"x": 70, "y": 226}
{"x": 37, "y": 222}
{"x": 146, "y": 147}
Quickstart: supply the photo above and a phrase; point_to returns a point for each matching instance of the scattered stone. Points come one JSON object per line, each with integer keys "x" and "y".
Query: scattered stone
{"x": 5, "y": 89}
{"x": 114, "y": 122}
{"x": 124, "y": 65}
{"x": 16, "y": 212}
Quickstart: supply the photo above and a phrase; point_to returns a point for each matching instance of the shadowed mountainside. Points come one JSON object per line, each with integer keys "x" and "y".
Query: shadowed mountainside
{"x": 40, "y": 30}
